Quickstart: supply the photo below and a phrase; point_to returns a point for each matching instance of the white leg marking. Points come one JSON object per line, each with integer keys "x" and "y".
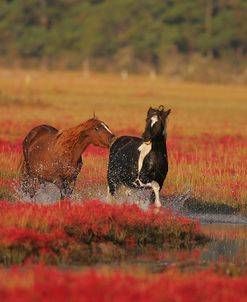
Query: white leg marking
{"x": 104, "y": 125}
{"x": 154, "y": 120}
{"x": 156, "y": 189}
{"x": 144, "y": 150}
{"x": 127, "y": 191}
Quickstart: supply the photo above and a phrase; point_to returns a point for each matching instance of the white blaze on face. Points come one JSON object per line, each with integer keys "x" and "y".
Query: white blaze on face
{"x": 144, "y": 150}
{"x": 104, "y": 125}
{"x": 154, "y": 119}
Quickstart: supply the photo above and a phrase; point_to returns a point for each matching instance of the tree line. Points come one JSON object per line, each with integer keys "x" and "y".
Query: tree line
{"x": 122, "y": 32}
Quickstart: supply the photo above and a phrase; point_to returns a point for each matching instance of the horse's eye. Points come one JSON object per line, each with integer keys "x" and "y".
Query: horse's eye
{"x": 96, "y": 128}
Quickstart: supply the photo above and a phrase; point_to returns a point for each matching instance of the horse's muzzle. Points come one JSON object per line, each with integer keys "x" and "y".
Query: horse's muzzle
{"x": 146, "y": 139}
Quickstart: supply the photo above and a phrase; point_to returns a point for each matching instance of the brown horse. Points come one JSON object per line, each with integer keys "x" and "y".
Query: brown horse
{"x": 54, "y": 156}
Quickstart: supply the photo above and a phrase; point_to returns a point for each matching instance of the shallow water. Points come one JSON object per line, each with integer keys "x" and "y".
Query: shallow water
{"x": 227, "y": 247}
{"x": 229, "y": 242}
{"x": 210, "y": 218}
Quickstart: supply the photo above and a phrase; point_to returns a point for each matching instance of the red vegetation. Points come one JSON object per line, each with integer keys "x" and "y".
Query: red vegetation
{"x": 50, "y": 284}
{"x": 96, "y": 151}
{"x": 10, "y": 147}
{"x": 30, "y": 230}
{"x": 211, "y": 149}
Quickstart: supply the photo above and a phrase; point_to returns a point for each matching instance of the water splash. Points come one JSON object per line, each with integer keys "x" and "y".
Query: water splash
{"x": 176, "y": 202}
{"x": 49, "y": 194}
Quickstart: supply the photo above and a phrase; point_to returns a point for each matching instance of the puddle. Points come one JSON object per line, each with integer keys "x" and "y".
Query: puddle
{"x": 228, "y": 247}
{"x": 229, "y": 243}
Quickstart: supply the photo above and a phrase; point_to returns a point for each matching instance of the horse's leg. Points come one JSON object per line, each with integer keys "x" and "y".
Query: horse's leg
{"x": 27, "y": 182}
{"x": 30, "y": 186}
{"x": 67, "y": 188}
{"x": 60, "y": 184}
{"x": 70, "y": 188}
{"x": 33, "y": 183}
{"x": 24, "y": 177}
{"x": 152, "y": 197}
{"x": 109, "y": 195}
{"x": 156, "y": 191}
{"x": 113, "y": 182}
{"x": 111, "y": 190}
{"x": 67, "y": 184}
{"x": 63, "y": 191}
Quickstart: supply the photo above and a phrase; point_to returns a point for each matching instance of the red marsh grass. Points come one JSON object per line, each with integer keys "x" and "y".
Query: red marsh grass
{"x": 213, "y": 167}
{"x": 207, "y": 131}
{"x": 50, "y": 284}
{"x": 56, "y": 233}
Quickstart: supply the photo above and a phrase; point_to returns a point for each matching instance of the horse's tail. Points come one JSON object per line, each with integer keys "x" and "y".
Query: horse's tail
{"x": 20, "y": 165}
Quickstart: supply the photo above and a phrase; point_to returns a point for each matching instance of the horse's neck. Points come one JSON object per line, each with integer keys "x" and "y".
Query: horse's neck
{"x": 80, "y": 147}
{"x": 159, "y": 144}
{"x": 75, "y": 142}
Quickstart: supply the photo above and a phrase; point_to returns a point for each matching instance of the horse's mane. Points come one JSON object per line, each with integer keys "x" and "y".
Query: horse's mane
{"x": 68, "y": 138}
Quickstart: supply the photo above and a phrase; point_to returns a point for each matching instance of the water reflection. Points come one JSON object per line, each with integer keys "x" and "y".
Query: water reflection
{"x": 228, "y": 245}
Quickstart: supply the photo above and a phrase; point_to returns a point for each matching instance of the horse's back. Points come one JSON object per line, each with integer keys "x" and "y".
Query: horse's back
{"x": 124, "y": 142}
{"x": 40, "y": 130}
{"x": 37, "y": 132}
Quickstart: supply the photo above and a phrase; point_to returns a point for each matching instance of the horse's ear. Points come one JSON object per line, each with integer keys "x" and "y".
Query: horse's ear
{"x": 59, "y": 133}
{"x": 166, "y": 113}
{"x": 161, "y": 108}
{"x": 150, "y": 110}
{"x": 94, "y": 116}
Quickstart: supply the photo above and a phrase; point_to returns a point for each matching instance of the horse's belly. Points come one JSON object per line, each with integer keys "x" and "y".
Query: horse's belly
{"x": 153, "y": 169}
{"x": 42, "y": 162}
{"x": 44, "y": 169}
{"x": 70, "y": 170}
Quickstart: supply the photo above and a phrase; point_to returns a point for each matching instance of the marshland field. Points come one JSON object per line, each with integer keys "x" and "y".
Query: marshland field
{"x": 84, "y": 249}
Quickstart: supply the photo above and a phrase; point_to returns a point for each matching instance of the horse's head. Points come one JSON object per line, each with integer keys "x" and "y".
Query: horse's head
{"x": 100, "y": 134}
{"x": 155, "y": 124}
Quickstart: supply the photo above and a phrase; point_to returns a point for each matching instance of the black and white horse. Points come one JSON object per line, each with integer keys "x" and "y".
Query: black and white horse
{"x": 141, "y": 162}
